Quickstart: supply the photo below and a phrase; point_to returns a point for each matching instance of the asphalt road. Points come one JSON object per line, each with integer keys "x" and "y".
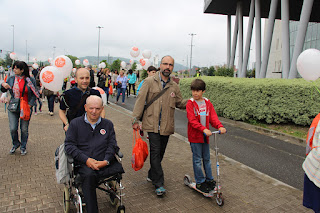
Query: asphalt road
{"x": 276, "y": 158}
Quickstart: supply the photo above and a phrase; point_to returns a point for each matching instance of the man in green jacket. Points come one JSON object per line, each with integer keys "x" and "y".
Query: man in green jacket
{"x": 158, "y": 118}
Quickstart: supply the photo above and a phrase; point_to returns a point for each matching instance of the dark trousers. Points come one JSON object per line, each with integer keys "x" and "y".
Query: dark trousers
{"x": 51, "y": 102}
{"x": 158, "y": 144}
{"x": 133, "y": 87}
{"x": 90, "y": 179}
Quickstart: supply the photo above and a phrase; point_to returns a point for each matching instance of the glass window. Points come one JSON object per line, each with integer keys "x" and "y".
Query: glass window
{"x": 308, "y": 36}
{"x": 318, "y": 44}
{"x": 318, "y": 34}
{"x": 314, "y": 32}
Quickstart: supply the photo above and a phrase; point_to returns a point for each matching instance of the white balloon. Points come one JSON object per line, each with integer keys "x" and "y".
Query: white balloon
{"x": 35, "y": 66}
{"x": 74, "y": 70}
{"x": 13, "y": 56}
{"x": 308, "y": 64}
{"x": 123, "y": 64}
{"x": 147, "y": 64}
{"x": 103, "y": 94}
{"x": 77, "y": 62}
{"x": 103, "y": 65}
{"x": 51, "y": 78}
{"x": 64, "y": 64}
{"x": 146, "y": 54}
{"x": 34, "y": 59}
{"x": 134, "y": 52}
{"x": 139, "y": 67}
{"x": 85, "y": 62}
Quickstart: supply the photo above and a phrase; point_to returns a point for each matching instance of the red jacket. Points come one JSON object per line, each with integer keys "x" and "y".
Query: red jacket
{"x": 195, "y": 128}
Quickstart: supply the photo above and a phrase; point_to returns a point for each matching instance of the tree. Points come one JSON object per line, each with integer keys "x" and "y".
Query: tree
{"x": 134, "y": 66}
{"x": 8, "y": 60}
{"x": 204, "y": 70}
{"x": 224, "y": 71}
{"x": 211, "y": 71}
{"x": 73, "y": 59}
{"x": 2, "y": 62}
{"x": 144, "y": 74}
{"x": 116, "y": 64}
{"x": 107, "y": 65}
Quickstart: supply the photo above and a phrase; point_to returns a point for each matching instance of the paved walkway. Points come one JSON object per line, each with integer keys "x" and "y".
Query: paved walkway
{"x": 27, "y": 183}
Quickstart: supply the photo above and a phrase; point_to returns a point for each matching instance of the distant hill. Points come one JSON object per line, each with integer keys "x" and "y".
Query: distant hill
{"x": 94, "y": 60}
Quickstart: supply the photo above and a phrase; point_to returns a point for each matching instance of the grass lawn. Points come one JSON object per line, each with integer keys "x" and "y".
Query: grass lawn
{"x": 290, "y": 129}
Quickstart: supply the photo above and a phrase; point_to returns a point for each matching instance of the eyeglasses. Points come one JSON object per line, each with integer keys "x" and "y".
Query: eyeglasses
{"x": 166, "y": 64}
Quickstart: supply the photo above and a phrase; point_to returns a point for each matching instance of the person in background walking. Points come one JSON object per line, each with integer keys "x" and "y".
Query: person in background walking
{"x": 92, "y": 82}
{"x": 36, "y": 76}
{"x": 151, "y": 72}
{"x": 51, "y": 97}
{"x": 114, "y": 80}
{"x": 16, "y": 84}
{"x": 107, "y": 84}
{"x": 121, "y": 86}
{"x": 132, "y": 78}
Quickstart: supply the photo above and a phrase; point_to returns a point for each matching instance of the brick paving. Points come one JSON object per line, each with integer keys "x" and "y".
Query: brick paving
{"x": 27, "y": 183}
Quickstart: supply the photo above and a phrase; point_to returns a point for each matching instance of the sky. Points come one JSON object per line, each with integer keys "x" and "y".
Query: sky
{"x": 162, "y": 26}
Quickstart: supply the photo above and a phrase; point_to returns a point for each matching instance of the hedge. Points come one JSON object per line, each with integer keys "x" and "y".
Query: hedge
{"x": 264, "y": 100}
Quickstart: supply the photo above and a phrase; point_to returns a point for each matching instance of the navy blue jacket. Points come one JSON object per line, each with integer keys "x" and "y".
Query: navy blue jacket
{"x": 71, "y": 98}
{"x": 82, "y": 142}
{"x": 31, "y": 96}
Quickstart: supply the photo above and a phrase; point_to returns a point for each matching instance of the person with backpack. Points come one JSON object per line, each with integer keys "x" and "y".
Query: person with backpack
{"x": 73, "y": 100}
{"x": 36, "y": 76}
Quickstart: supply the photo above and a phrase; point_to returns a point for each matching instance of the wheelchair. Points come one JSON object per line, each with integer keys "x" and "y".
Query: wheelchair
{"x": 111, "y": 185}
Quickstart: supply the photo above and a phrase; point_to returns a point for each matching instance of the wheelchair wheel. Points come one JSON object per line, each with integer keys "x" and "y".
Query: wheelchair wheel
{"x": 121, "y": 209}
{"x": 78, "y": 203}
{"x": 66, "y": 200}
{"x": 113, "y": 198}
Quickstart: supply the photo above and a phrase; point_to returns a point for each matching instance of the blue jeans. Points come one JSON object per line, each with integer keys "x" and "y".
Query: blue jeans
{"x": 13, "y": 125}
{"x": 201, "y": 152}
{"x": 106, "y": 90}
{"x": 123, "y": 91}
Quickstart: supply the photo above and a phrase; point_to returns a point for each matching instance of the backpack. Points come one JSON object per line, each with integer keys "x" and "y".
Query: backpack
{"x": 63, "y": 168}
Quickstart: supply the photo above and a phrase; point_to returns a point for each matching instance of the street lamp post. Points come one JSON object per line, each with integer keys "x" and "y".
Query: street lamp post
{"x": 12, "y": 38}
{"x": 99, "y": 27}
{"x": 192, "y": 34}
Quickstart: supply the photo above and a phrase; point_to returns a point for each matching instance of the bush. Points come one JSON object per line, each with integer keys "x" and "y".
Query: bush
{"x": 224, "y": 71}
{"x": 263, "y": 100}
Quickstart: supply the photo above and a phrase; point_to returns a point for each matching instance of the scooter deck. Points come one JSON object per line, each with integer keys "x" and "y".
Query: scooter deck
{"x": 193, "y": 186}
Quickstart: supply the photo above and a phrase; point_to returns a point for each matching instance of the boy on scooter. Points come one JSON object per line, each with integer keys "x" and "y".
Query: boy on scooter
{"x": 201, "y": 113}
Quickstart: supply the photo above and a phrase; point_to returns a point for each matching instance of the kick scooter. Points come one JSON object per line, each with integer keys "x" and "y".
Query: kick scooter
{"x": 217, "y": 190}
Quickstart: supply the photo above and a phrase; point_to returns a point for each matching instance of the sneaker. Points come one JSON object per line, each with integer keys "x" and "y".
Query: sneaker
{"x": 202, "y": 187}
{"x": 160, "y": 191}
{"x": 211, "y": 184}
{"x": 35, "y": 113}
{"x": 149, "y": 179}
{"x": 23, "y": 151}
{"x": 13, "y": 149}
{"x": 51, "y": 113}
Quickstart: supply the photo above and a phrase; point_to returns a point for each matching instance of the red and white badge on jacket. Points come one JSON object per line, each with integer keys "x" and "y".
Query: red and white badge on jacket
{"x": 172, "y": 94}
{"x": 103, "y": 132}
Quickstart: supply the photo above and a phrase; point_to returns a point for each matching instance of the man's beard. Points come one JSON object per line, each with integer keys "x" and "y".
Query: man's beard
{"x": 166, "y": 74}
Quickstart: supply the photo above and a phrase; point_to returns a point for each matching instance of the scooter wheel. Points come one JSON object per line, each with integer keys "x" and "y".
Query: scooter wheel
{"x": 220, "y": 199}
{"x": 187, "y": 180}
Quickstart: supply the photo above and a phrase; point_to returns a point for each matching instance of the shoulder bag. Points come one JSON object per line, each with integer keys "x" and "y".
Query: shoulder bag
{"x": 153, "y": 100}
{"x": 14, "y": 103}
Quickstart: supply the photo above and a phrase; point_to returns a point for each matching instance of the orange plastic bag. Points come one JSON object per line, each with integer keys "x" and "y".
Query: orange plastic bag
{"x": 110, "y": 90}
{"x": 139, "y": 151}
{"x": 24, "y": 110}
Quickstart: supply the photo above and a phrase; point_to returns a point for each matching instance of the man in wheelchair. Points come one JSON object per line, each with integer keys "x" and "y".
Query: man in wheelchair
{"x": 91, "y": 142}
